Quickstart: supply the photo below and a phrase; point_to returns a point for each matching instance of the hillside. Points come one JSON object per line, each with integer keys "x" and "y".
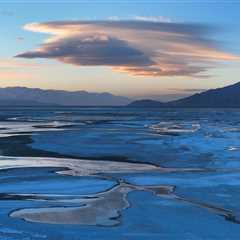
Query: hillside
{"x": 59, "y": 97}
{"x": 226, "y": 97}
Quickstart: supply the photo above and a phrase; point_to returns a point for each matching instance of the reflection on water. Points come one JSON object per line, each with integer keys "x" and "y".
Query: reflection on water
{"x": 102, "y": 209}
{"x": 134, "y": 172}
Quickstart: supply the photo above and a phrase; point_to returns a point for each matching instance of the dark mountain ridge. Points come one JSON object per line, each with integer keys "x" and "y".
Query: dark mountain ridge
{"x": 225, "y": 97}
{"x": 146, "y": 103}
{"x": 36, "y": 96}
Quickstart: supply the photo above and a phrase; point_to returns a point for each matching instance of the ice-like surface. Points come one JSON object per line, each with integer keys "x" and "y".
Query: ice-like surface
{"x": 136, "y": 174}
{"x": 171, "y": 128}
{"x": 77, "y": 167}
{"x": 8, "y": 129}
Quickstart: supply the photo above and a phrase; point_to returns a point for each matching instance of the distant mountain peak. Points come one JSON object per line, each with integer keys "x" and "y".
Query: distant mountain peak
{"x": 60, "y": 97}
{"x": 225, "y": 97}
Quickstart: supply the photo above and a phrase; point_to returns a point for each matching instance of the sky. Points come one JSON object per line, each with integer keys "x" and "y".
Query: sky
{"x": 141, "y": 49}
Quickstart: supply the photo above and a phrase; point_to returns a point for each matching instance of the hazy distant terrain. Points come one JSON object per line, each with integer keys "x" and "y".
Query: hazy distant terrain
{"x": 21, "y": 96}
{"x": 36, "y": 96}
{"x": 220, "y": 97}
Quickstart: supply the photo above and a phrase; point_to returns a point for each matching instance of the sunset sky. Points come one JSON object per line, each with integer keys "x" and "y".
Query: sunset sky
{"x": 158, "y": 49}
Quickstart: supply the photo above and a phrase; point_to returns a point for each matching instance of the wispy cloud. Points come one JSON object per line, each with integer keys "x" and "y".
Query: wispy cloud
{"x": 16, "y": 69}
{"x": 14, "y": 75}
{"x": 153, "y": 18}
{"x": 20, "y": 39}
{"x": 188, "y": 89}
{"x": 139, "y": 47}
{"x": 9, "y": 63}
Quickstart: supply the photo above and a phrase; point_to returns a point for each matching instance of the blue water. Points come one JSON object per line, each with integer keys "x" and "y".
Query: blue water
{"x": 201, "y": 146}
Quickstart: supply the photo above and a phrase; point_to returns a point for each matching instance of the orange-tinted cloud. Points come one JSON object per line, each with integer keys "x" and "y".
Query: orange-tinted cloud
{"x": 6, "y": 64}
{"x": 12, "y": 69}
{"x": 13, "y": 75}
{"x": 138, "y": 47}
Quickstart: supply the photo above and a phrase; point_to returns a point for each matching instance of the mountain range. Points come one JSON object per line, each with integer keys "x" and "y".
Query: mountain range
{"x": 22, "y": 96}
{"x": 225, "y": 97}
{"x": 228, "y": 96}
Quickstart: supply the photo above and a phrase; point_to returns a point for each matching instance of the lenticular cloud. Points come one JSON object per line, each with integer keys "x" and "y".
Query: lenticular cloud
{"x": 143, "y": 48}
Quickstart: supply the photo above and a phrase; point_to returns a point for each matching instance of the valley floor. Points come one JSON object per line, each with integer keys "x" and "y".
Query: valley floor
{"x": 116, "y": 173}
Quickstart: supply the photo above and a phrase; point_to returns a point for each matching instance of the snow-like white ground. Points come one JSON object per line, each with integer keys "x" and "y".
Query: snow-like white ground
{"x": 150, "y": 174}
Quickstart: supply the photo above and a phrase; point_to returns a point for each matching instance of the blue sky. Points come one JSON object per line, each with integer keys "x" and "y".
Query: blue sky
{"x": 220, "y": 18}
